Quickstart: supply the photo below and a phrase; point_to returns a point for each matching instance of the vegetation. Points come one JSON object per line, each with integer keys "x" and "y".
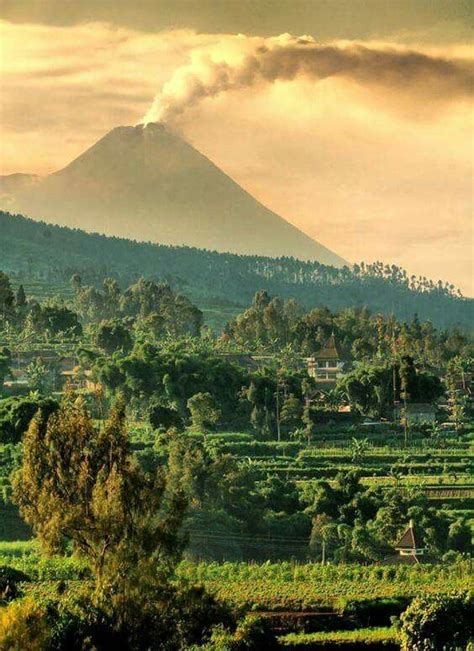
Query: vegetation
{"x": 188, "y": 490}
{"x": 334, "y": 639}
{"x": 444, "y": 621}
{"x": 38, "y": 251}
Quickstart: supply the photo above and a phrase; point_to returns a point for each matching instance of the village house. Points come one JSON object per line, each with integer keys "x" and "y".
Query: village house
{"x": 326, "y": 365}
{"x": 61, "y": 368}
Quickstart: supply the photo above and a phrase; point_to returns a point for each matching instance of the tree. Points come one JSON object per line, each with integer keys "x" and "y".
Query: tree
{"x": 79, "y": 483}
{"x": 38, "y": 376}
{"x": 308, "y": 420}
{"x": 17, "y": 412}
{"x": 55, "y": 318}
{"x": 20, "y": 298}
{"x": 5, "y": 361}
{"x": 76, "y": 282}
{"x": 368, "y": 388}
{"x": 456, "y": 390}
{"x": 443, "y": 621}
{"x": 7, "y": 297}
{"x": 460, "y": 536}
{"x": 163, "y": 417}
{"x": 204, "y": 412}
{"x": 290, "y": 413}
{"x": 112, "y": 336}
{"x": 323, "y": 536}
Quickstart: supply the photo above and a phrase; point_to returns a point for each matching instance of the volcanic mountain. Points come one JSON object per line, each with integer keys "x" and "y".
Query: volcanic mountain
{"x": 148, "y": 184}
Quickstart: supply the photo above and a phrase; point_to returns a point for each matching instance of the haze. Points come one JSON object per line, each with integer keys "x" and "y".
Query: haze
{"x": 371, "y": 168}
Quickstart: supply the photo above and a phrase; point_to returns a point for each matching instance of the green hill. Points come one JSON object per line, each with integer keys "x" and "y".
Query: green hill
{"x": 47, "y": 256}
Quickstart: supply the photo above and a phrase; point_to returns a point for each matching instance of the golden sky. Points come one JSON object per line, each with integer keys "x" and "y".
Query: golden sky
{"x": 374, "y": 162}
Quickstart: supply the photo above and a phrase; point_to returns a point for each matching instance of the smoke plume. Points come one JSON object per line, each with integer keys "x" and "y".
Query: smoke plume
{"x": 285, "y": 57}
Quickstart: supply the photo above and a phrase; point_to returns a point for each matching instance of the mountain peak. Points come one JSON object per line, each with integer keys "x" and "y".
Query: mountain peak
{"x": 145, "y": 182}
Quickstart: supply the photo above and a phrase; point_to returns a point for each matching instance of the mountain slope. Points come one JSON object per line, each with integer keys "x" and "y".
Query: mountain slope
{"x": 150, "y": 185}
{"x": 44, "y": 258}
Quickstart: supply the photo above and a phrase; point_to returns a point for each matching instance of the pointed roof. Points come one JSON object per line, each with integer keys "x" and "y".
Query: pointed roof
{"x": 329, "y": 350}
{"x": 410, "y": 539}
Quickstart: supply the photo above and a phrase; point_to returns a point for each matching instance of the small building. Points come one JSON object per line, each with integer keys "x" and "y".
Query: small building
{"x": 410, "y": 543}
{"x": 326, "y": 365}
{"x": 410, "y": 548}
{"x": 416, "y": 412}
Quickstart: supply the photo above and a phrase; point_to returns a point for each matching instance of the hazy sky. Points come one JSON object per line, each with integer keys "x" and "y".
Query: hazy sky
{"x": 362, "y": 145}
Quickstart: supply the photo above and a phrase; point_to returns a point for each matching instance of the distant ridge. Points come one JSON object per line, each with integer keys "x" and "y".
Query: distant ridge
{"x": 148, "y": 184}
{"x": 37, "y": 252}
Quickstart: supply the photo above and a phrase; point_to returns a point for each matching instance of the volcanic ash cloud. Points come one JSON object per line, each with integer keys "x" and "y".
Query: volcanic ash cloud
{"x": 262, "y": 61}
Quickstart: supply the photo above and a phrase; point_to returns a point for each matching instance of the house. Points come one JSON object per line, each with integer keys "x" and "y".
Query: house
{"x": 410, "y": 548}
{"x": 326, "y": 365}
{"x": 416, "y": 412}
{"x": 410, "y": 543}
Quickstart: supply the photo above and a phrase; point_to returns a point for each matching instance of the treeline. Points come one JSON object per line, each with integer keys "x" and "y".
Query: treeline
{"x": 148, "y": 343}
{"x": 146, "y": 305}
{"x": 272, "y": 324}
{"x": 54, "y": 253}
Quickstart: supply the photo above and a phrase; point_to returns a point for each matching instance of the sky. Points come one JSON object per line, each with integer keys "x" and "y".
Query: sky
{"x": 359, "y": 133}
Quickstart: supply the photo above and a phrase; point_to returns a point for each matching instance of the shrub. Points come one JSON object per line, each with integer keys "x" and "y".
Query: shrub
{"x": 197, "y": 613}
{"x": 24, "y": 625}
{"x": 375, "y": 612}
{"x": 9, "y": 578}
{"x": 442, "y": 622}
{"x": 254, "y": 633}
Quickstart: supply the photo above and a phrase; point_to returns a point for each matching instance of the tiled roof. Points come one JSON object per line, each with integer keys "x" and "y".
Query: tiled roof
{"x": 329, "y": 350}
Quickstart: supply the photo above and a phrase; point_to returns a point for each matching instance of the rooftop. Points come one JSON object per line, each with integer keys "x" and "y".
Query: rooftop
{"x": 329, "y": 350}
{"x": 410, "y": 539}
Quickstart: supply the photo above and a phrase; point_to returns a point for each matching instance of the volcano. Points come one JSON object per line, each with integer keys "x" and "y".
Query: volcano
{"x": 148, "y": 184}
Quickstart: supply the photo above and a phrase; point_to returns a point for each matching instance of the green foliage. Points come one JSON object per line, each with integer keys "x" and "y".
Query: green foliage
{"x": 164, "y": 418}
{"x": 5, "y": 363}
{"x": 363, "y": 524}
{"x": 24, "y": 625}
{"x": 152, "y": 308}
{"x": 204, "y": 412}
{"x": 57, "y": 252}
{"x": 17, "y": 412}
{"x": 9, "y": 579}
{"x": 80, "y": 483}
{"x": 443, "y": 621}
{"x": 112, "y": 336}
{"x": 377, "y": 638}
{"x": 300, "y": 587}
{"x": 460, "y": 536}
{"x": 172, "y": 619}
{"x": 7, "y": 297}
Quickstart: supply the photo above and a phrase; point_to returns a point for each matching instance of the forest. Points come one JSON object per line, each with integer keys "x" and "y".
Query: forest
{"x": 40, "y": 253}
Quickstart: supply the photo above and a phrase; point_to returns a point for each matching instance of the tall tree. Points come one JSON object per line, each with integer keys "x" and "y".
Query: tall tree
{"x": 79, "y": 483}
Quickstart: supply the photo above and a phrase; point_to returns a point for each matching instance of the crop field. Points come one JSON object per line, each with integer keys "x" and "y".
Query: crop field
{"x": 312, "y": 587}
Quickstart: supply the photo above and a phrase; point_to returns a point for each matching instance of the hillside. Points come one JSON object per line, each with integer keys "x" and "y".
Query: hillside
{"x": 49, "y": 255}
{"x": 149, "y": 184}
